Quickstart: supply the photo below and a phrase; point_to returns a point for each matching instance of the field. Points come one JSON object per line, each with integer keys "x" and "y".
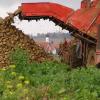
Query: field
{"x": 47, "y": 81}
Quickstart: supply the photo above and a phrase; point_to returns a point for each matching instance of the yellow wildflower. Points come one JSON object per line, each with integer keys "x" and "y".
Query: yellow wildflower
{"x": 12, "y": 66}
{"x": 26, "y": 82}
{"x": 19, "y": 85}
{"x": 21, "y": 77}
{"x": 11, "y": 92}
{"x": 3, "y": 69}
{"x": 9, "y": 86}
{"x": 13, "y": 73}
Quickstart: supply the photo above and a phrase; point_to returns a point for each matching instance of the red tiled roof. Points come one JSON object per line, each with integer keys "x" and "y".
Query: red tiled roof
{"x": 45, "y": 45}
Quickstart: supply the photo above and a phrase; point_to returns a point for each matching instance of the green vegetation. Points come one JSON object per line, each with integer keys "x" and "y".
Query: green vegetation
{"x": 47, "y": 81}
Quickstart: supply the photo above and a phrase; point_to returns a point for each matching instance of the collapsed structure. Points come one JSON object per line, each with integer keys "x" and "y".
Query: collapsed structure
{"x": 82, "y": 23}
{"x": 12, "y": 38}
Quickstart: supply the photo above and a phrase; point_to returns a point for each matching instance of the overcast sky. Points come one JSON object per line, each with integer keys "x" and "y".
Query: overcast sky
{"x": 36, "y": 27}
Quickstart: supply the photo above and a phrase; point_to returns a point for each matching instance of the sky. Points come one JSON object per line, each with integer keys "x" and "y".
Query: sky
{"x": 36, "y": 27}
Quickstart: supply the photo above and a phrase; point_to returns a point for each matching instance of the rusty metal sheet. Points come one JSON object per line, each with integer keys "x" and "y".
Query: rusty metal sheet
{"x": 46, "y": 9}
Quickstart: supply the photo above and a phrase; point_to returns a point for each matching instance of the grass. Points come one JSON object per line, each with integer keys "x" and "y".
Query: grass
{"x": 47, "y": 81}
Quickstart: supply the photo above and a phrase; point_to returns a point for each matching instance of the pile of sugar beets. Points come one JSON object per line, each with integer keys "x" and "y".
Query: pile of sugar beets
{"x": 11, "y": 37}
